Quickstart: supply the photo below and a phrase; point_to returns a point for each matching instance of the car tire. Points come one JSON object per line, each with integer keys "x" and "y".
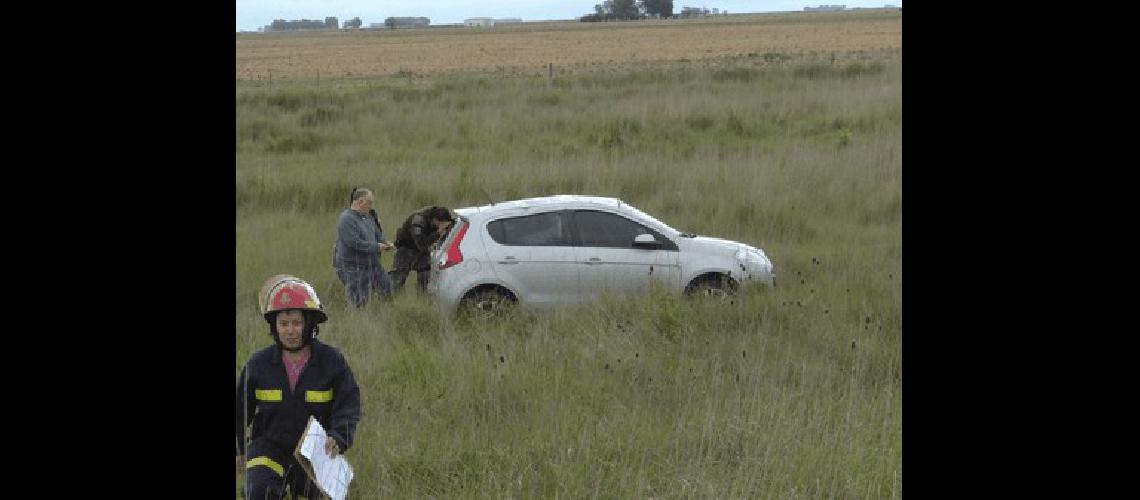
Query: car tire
{"x": 487, "y": 302}
{"x": 713, "y": 286}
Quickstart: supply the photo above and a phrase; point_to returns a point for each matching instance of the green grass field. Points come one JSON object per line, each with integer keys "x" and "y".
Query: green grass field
{"x": 793, "y": 392}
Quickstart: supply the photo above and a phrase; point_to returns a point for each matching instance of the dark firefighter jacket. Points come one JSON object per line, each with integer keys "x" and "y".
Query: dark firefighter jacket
{"x": 418, "y": 232}
{"x": 325, "y": 389}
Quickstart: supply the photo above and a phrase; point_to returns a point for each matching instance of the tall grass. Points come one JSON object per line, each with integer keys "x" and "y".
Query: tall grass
{"x": 792, "y": 392}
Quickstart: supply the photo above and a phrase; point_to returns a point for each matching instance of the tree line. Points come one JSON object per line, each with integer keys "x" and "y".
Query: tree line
{"x": 330, "y": 23}
{"x": 612, "y": 10}
{"x": 303, "y": 24}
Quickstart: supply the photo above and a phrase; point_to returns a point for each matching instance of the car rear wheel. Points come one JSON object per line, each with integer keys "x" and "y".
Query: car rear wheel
{"x": 487, "y": 302}
{"x": 714, "y": 286}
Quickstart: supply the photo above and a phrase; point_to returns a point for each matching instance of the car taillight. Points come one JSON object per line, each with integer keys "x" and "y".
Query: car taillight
{"x": 453, "y": 256}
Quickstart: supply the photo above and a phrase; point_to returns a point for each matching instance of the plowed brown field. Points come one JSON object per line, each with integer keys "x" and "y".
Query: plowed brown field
{"x": 530, "y": 47}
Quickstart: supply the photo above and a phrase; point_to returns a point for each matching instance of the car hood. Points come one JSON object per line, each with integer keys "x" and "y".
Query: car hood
{"x": 752, "y": 260}
{"x": 729, "y": 247}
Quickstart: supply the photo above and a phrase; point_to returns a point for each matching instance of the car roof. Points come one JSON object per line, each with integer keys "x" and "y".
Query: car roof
{"x": 567, "y": 200}
{"x": 561, "y": 199}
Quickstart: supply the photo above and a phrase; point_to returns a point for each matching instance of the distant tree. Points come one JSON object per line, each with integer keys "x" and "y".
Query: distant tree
{"x": 353, "y": 23}
{"x": 614, "y": 9}
{"x": 662, "y": 8}
{"x": 331, "y": 22}
{"x": 625, "y": 9}
{"x": 390, "y": 23}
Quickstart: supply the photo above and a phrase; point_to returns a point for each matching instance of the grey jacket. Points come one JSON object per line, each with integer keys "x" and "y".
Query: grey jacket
{"x": 356, "y": 241}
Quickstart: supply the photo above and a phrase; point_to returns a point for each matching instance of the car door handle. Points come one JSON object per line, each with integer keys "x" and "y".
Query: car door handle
{"x": 509, "y": 260}
{"x": 593, "y": 261}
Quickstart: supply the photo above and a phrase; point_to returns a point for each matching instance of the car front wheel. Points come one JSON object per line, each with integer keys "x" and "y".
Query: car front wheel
{"x": 715, "y": 286}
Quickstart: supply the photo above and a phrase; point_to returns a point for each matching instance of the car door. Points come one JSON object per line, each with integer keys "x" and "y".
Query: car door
{"x": 532, "y": 254}
{"x": 611, "y": 264}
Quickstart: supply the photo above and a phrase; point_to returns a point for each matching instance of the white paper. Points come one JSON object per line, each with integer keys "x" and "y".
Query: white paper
{"x": 332, "y": 474}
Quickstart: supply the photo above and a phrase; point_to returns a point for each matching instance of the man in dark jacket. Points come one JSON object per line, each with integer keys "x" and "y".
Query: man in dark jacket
{"x": 413, "y": 245}
{"x": 281, "y": 386}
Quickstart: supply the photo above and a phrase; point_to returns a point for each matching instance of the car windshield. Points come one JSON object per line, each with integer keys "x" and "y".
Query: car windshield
{"x": 654, "y": 220}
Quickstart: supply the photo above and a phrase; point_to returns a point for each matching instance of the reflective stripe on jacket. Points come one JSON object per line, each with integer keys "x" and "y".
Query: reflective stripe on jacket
{"x": 325, "y": 389}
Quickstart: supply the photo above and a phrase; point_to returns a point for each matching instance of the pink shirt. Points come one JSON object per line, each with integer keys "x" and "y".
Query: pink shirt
{"x": 294, "y": 368}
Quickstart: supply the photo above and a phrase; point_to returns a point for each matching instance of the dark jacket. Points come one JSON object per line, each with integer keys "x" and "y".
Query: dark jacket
{"x": 417, "y": 233}
{"x": 325, "y": 389}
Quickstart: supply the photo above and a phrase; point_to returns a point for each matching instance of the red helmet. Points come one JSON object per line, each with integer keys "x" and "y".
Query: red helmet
{"x": 286, "y": 292}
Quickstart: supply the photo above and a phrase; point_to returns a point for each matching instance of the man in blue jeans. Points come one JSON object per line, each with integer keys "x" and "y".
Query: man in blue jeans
{"x": 356, "y": 257}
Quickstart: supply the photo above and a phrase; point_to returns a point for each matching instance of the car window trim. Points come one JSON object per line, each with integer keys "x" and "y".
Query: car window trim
{"x": 566, "y": 238}
{"x": 667, "y": 243}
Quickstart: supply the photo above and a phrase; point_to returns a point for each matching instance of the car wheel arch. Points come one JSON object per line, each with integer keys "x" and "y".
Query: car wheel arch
{"x": 486, "y": 300}
{"x": 497, "y": 287}
{"x": 722, "y": 279}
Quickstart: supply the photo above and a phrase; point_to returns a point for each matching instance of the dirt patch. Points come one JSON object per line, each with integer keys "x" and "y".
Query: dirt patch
{"x": 530, "y": 47}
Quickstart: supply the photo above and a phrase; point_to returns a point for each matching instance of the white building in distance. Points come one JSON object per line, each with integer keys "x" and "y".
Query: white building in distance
{"x": 825, "y": 8}
{"x": 486, "y": 22}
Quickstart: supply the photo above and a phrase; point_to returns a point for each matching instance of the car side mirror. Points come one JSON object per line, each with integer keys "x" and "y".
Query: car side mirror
{"x": 646, "y": 241}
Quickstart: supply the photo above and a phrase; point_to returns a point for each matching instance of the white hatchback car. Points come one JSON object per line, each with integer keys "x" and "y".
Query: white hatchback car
{"x": 568, "y": 249}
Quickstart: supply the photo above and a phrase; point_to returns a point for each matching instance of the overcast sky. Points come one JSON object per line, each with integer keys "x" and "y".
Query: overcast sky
{"x": 252, "y": 14}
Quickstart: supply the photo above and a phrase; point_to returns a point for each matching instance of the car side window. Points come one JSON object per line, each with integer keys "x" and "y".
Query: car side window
{"x": 601, "y": 229}
{"x": 538, "y": 230}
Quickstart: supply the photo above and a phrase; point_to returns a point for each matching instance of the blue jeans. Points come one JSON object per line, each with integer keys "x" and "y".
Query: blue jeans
{"x": 381, "y": 282}
{"x": 357, "y": 282}
{"x": 361, "y": 282}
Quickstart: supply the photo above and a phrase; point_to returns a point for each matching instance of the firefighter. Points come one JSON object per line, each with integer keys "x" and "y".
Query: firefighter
{"x": 283, "y": 384}
{"x": 413, "y": 245}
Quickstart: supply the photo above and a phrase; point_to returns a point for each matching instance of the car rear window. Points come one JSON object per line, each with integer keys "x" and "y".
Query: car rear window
{"x": 546, "y": 229}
